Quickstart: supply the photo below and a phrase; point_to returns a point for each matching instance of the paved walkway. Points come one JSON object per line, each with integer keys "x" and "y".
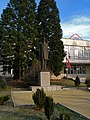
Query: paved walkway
{"x": 75, "y": 99}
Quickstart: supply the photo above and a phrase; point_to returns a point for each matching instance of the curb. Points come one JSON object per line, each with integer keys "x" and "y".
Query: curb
{"x": 72, "y": 110}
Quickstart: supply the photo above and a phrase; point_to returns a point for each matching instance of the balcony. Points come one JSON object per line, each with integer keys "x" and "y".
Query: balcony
{"x": 78, "y": 59}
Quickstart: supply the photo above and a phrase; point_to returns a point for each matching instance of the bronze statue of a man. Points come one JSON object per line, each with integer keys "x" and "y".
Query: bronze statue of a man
{"x": 43, "y": 55}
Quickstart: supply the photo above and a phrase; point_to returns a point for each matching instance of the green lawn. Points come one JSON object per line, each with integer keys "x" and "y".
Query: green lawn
{"x": 66, "y": 83}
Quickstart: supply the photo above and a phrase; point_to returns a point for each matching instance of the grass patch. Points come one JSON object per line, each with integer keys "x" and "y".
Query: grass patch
{"x": 66, "y": 83}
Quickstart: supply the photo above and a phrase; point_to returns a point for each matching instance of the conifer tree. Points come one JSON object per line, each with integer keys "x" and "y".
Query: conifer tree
{"x": 48, "y": 107}
{"x": 49, "y": 29}
{"x": 18, "y": 21}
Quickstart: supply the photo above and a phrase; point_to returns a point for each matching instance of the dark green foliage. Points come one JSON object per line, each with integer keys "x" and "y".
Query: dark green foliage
{"x": 3, "y": 84}
{"x": 6, "y": 97}
{"x": 77, "y": 81}
{"x": 39, "y": 98}
{"x": 87, "y": 81}
{"x": 49, "y": 29}
{"x": 3, "y": 99}
{"x": 18, "y": 39}
{"x": 48, "y": 107}
{"x": 61, "y": 116}
{"x": 64, "y": 116}
{"x": 56, "y": 73}
{"x": 31, "y": 75}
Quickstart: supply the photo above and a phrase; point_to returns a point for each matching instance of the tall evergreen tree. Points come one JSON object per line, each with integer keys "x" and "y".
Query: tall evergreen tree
{"x": 19, "y": 35}
{"x": 50, "y": 30}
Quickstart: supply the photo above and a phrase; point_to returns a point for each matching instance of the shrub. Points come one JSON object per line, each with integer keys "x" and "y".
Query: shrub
{"x": 56, "y": 73}
{"x": 31, "y": 75}
{"x": 64, "y": 77}
{"x": 87, "y": 81}
{"x": 3, "y": 99}
{"x": 6, "y": 98}
{"x": 48, "y": 107}
{"x": 77, "y": 81}
{"x": 3, "y": 84}
{"x": 39, "y": 98}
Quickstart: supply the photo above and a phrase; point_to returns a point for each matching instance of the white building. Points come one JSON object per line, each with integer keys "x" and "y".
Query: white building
{"x": 78, "y": 52}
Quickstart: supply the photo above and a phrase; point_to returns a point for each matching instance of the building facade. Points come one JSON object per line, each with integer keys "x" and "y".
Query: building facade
{"x": 78, "y": 53}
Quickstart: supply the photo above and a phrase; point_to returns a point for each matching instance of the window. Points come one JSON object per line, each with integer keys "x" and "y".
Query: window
{"x": 75, "y": 70}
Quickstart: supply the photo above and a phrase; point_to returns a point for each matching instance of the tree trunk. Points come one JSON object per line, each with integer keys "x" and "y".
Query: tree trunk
{"x": 16, "y": 74}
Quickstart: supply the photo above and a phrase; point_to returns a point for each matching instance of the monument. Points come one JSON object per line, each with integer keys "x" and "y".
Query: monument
{"x": 44, "y": 75}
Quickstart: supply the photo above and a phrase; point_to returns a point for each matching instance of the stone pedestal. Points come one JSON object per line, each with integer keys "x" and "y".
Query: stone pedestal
{"x": 44, "y": 79}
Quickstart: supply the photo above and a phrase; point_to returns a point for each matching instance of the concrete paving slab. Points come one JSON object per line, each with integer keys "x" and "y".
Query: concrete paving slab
{"x": 22, "y": 98}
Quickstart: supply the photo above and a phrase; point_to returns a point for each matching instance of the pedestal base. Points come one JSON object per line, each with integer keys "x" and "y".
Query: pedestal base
{"x": 45, "y": 88}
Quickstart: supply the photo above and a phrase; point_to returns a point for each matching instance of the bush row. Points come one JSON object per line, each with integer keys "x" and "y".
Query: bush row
{"x": 87, "y": 82}
{"x": 3, "y": 84}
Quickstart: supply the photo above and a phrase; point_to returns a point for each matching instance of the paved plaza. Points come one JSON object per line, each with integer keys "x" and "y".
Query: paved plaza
{"x": 75, "y": 99}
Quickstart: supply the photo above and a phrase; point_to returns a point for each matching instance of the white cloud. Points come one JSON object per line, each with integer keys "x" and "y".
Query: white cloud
{"x": 79, "y": 25}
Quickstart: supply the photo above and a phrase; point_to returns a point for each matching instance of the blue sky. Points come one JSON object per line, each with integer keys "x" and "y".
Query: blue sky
{"x": 74, "y": 15}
